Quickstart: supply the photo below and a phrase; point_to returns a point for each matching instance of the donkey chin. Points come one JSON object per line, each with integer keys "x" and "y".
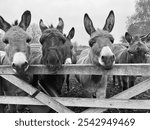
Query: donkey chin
{"x": 20, "y": 65}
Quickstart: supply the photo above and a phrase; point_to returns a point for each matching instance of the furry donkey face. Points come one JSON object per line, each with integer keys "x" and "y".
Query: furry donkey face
{"x": 17, "y": 39}
{"x": 101, "y": 41}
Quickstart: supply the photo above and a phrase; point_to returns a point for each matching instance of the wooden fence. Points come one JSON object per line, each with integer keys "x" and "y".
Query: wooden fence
{"x": 120, "y": 100}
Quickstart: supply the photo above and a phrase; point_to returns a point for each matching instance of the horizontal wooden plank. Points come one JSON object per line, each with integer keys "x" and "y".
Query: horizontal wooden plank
{"x": 81, "y": 102}
{"x": 118, "y": 69}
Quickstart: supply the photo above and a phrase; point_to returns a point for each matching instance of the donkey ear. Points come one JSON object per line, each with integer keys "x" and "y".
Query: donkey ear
{"x": 4, "y": 25}
{"x": 128, "y": 37}
{"x": 25, "y": 20}
{"x": 109, "y": 24}
{"x": 71, "y": 33}
{"x": 145, "y": 38}
{"x": 42, "y": 25}
{"x": 60, "y": 25}
{"x": 88, "y": 24}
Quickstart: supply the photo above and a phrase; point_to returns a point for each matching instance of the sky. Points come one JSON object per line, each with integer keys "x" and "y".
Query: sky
{"x": 72, "y": 12}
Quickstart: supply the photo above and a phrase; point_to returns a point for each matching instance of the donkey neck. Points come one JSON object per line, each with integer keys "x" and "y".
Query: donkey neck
{"x": 87, "y": 55}
{"x": 94, "y": 78}
{"x": 125, "y": 57}
{"x": 66, "y": 53}
{"x": 5, "y": 60}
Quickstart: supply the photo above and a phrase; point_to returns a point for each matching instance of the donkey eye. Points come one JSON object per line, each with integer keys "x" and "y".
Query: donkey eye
{"x": 92, "y": 43}
{"x": 112, "y": 40}
{"x": 28, "y": 40}
{"x": 5, "y": 41}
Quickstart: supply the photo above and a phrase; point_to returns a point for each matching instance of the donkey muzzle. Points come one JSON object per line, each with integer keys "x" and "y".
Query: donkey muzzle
{"x": 108, "y": 61}
{"x": 21, "y": 68}
{"x": 19, "y": 62}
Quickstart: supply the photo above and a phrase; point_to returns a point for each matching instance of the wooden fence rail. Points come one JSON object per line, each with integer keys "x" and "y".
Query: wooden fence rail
{"x": 80, "y": 102}
{"x": 118, "y": 69}
{"x": 120, "y": 100}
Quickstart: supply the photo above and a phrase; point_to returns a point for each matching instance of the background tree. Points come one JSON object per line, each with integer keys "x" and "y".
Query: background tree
{"x": 35, "y": 32}
{"x": 139, "y": 23}
{"x": 123, "y": 40}
{"x": 75, "y": 46}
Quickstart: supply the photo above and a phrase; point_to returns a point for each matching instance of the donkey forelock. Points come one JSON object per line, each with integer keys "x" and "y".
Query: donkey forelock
{"x": 16, "y": 34}
{"x": 52, "y": 32}
{"x": 15, "y": 23}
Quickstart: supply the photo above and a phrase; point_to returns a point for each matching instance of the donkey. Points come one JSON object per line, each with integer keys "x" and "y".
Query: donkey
{"x": 16, "y": 39}
{"x": 99, "y": 54}
{"x": 56, "y": 50}
{"x": 135, "y": 53}
{"x": 71, "y": 60}
{"x": 17, "y": 53}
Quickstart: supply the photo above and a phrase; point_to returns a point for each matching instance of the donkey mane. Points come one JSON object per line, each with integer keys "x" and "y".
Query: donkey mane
{"x": 51, "y": 26}
{"x": 51, "y": 33}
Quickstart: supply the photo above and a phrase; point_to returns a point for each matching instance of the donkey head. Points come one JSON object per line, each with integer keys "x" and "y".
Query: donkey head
{"x": 17, "y": 40}
{"x": 101, "y": 41}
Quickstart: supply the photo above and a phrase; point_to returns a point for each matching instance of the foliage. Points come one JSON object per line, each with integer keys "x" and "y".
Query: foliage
{"x": 75, "y": 46}
{"x": 123, "y": 40}
{"x": 139, "y": 23}
{"x": 35, "y": 32}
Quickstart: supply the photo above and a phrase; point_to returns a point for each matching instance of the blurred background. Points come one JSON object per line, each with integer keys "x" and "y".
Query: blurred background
{"x": 130, "y": 15}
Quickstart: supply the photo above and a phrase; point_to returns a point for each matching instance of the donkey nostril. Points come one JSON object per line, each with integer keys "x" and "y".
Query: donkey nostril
{"x": 25, "y": 64}
{"x": 13, "y": 65}
{"x": 113, "y": 57}
{"x": 103, "y": 57}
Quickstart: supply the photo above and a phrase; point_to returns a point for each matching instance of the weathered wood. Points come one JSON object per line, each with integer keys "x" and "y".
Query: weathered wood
{"x": 1, "y": 93}
{"x": 127, "y": 94}
{"x": 81, "y": 102}
{"x": 118, "y": 69}
{"x": 49, "y": 101}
